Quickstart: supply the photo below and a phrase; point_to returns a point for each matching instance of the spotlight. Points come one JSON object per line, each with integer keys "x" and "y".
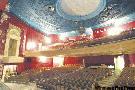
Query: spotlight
{"x": 48, "y": 40}
{"x": 51, "y": 8}
{"x": 31, "y": 45}
{"x": 42, "y": 59}
{"x": 114, "y": 31}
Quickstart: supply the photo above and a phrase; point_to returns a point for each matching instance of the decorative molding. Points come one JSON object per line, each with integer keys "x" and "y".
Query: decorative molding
{"x": 13, "y": 33}
{"x": 12, "y": 59}
{"x": 123, "y": 47}
{"x": 4, "y": 17}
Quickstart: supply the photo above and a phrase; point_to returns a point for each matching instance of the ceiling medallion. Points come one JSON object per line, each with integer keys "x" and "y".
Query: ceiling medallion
{"x": 79, "y": 9}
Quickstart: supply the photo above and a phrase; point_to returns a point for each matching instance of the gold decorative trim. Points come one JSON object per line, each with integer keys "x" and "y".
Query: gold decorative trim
{"x": 4, "y": 17}
{"x": 13, "y": 32}
{"x": 122, "y": 47}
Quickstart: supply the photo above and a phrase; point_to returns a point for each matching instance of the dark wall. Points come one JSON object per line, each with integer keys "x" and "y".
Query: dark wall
{"x": 98, "y": 60}
{"x": 132, "y": 59}
{"x": 127, "y": 60}
{"x": 34, "y": 63}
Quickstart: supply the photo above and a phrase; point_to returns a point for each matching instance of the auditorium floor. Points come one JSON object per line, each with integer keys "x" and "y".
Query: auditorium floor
{"x": 14, "y": 86}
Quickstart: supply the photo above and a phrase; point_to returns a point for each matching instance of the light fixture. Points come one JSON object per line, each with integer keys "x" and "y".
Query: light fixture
{"x": 89, "y": 31}
{"x": 62, "y": 37}
{"x": 31, "y": 45}
{"x": 114, "y": 31}
{"x": 58, "y": 61}
{"x": 48, "y": 40}
{"x": 42, "y": 59}
{"x": 51, "y": 8}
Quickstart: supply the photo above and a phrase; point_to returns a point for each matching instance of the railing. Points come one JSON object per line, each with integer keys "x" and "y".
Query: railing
{"x": 126, "y": 35}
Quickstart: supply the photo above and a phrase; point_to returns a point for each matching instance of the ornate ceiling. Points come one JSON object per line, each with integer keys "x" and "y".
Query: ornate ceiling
{"x": 79, "y": 7}
{"x": 55, "y": 16}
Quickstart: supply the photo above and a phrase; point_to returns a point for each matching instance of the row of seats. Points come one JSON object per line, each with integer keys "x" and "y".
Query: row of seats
{"x": 126, "y": 35}
{"x": 73, "y": 78}
{"x": 66, "y": 78}
{"x": 126, "y": 78}
{"x": 77, "y": 79}
{"x": 125, "y": 81}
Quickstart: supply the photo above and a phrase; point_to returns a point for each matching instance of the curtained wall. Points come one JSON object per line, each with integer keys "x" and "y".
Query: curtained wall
{"x": 3, "y": 4}
{"x": 34, "y": 63}
{"x": 73, "y": 60}
{"x": 27, "y": 34}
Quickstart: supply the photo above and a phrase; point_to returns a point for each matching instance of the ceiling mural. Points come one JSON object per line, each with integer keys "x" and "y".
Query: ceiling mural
{"x": 67, "y": 16}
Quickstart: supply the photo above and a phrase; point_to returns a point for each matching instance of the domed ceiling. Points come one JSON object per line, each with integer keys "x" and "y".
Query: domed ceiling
{"x": 67, "y": 16}
{"x": 79, "y": 7}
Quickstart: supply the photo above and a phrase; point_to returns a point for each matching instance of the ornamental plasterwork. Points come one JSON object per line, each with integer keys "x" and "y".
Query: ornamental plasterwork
{"x": 4, "y": 17}
{"x": 14, "y": 31}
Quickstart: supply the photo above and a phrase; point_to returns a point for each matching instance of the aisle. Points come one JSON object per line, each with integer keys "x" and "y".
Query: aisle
{"x": 14, "y": 86}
